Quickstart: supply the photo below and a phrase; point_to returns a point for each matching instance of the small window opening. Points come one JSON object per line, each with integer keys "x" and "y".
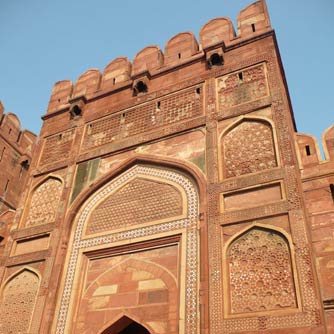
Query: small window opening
{"x": 21, "y": 172}
{"x": 25, "y": 164}
{"x": 140, "y": 87}
{"x": 19, "y": 136}
{"x": 58, "y": 100}
{"x": 241, "y": 77}
{"x": 1, "y": 239}
{"x": 2, "y": 153}
{"x": 198, "y": 91}
{"x": 253, "y": 27}
{"x": 75, "y": 111}
{"x": 331, "y": 187}
{"x": 158, "y": 105}
{"x": 307, "y": 149}
{"x": 179, "y": 55}
{"x": 6, "y": 185}
{"x": 215, "y": 60}
{"x": 60, "y": 136}
{"x": 113, "y": 81}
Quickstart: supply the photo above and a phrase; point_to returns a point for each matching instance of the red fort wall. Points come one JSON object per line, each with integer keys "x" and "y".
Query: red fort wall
{"x": 172, "y": 194}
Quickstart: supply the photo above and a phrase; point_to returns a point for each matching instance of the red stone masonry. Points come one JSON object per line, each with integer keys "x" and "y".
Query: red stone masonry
{"x": 172, "y": 194}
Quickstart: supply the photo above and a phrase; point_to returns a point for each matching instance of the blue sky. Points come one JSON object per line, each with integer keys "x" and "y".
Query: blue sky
{"x": 44, "y": 41}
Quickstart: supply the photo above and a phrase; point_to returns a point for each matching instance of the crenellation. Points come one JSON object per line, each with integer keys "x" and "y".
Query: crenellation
{"x": 328, "y": 143}
{"x": 217, "y": 31}
{"x": 179, "y": 47}
{"x": 88, "y": 83}
{"x": 254, "y": 19}
{"x": 148, "y": 59}
{"x": 116, "y": 72}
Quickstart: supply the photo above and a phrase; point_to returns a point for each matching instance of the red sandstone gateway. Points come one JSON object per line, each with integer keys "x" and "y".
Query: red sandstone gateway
{"x": 170, "y": 195}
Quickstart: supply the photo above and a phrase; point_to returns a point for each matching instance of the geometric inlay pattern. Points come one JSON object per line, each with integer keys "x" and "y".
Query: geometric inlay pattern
{"x": 18, "y": 302}
{"x": 57, "y": 147}
{"x": 139, "y": 201}
{"x": 129, "y": 234}
{"x": 44, "y": 202}
{"x": 248, "y": 148}
{"x": 260, "y": 272}
{"x": 150, "y": 116}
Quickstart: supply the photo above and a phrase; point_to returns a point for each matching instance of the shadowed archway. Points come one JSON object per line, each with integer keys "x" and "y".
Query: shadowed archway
{"x": 125, "y": 325}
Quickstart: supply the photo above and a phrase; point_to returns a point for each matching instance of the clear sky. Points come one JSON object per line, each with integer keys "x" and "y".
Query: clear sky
{"x": 44, "y": 41}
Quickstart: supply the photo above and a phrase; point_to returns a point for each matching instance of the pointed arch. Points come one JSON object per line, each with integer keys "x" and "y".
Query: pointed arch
{"x": 123, "y": 323}
{"x": 248, "y": 145}
{"x": 189, "y": 178}
{"x": 190, "y": 170}
{"x": 18, "y": 300}
{"x": 43, "y": 201}
{"x": 261, "y": 272}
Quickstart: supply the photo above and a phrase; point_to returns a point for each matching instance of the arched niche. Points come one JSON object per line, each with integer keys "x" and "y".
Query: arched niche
{"x": 260, "y": 269}
{"x": 43, "y": 202}
{"x": 247, "y": 146}
{"x": 18, "y": 299}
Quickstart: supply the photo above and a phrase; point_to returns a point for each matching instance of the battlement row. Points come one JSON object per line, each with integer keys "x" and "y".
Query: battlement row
{"x": 11, "y": 131}
{"x": 309, "y": 153}
{"x": 150, "y": 61}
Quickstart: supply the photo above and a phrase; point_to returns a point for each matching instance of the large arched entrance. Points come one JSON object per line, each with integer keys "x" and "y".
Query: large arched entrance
{"x": 134, "y": 249}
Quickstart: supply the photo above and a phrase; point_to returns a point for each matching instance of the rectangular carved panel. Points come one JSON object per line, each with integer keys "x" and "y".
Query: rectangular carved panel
{"x": 146, "y": 117}
{"x": 251, "y": 197}
{"x": 31, "y": 245}
{"x": 243, "y": 86}
{"x": 57, "y": 147}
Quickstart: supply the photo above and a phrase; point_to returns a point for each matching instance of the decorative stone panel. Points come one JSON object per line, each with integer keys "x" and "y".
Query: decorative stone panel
{"x": 260, "y": 273}
{"x": 146, "y": 117}
{"x": 57, "y": 147}
{"x": 139, "y": 201}
{"x": 44, "y": 202}
{"x": 247, "y": 148}
{"x": 243, "y": 86}
{"x": 17, "y": 302}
